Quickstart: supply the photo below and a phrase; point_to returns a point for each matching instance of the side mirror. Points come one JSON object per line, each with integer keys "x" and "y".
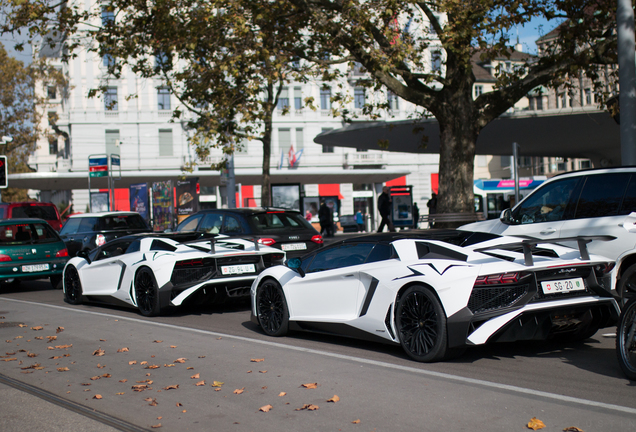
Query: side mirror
{"x": 506, "y": 217}
{"x": 295, "y": 264}
{"x": 84, "y": 254}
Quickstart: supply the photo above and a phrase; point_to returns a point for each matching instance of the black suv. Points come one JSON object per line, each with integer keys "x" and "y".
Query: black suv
{"x": 85, "y": 232}
{"x": 283, "y": 229}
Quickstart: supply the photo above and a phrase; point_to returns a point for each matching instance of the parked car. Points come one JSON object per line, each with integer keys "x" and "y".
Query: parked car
{"x": 37, "y": 210}
{"x": 85, "y": 232}
{"x": 31, "y": 249}
{"x": 283, "y": 229}
{"x": 348, "y": 223}
{"x": 590, "y": 202}
{"x": 152, "y": 272}
{"x": 436, "y": 292}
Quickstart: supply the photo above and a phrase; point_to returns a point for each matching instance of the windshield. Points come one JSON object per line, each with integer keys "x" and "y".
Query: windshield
{"x": 36, "y": 212}
{"x": 27, "y": 234}
{"x": 272, "y": 221}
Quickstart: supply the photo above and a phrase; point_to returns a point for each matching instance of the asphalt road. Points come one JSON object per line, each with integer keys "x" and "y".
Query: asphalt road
{"x": 496, "y": 387}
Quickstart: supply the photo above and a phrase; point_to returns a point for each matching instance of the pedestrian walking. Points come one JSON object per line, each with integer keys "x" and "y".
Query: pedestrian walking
{"x": 416, "y": 216}
{"x": 432, "y": 208}
{"x": 384, "y": 207}
{"x": 360, "y": 221}
{"x": 325, "y": 216}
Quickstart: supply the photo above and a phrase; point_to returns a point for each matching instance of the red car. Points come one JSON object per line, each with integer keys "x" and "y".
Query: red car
{"x": 37, "y": 210}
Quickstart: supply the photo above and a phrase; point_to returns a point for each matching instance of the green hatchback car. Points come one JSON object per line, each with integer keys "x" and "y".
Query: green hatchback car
{"x": 31, "y": 249}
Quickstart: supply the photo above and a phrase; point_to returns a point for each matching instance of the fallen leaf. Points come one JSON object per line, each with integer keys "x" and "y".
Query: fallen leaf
{"x": 32, "y": 355}
{"x": 249, "y": 371}
{"x": 572, "y": 429}
{"x": 535, "y": 424}
{"x": 335, "y": 398}
{"x": 59, "y": 329}
{"x": 356, "y": 421}
{"x": 201, "y": 356}
{"x": 106, "y": 375}
{"x": 157, "y": 341}
{"x": 22, "y": 325}
{"x": 99, "y": 352}
{"x": 67, "y": 355}
{"x": 96, "y": 377}
{"x": 152, "y": 356}
{"x": 159, "y": 418}
{"x": 85, "y": 384}
{"x": 168, "y": 365}
{"x": 189, "y": 368}
{"x": 51, "y": 338}
{"x": 27, "y": 371}
{"x": 62, "y": 346}
{"x": 172, "y": 387}
{"x": 63, "y": 369}
{"x": 217, "y": 384}
{"x": 181, "y": 360}
{"x": 99, "y": 366}
{"x": 149, "y": 382}
{"x": 140, "y": 387}
{"x": 195, "y": 376}
{"x": 120, "y": 393}
{"x": 123, "y": 349}
{"x": 257, "y": 360}
{"x": 132, "y": 362}
{"x": 55, "y": 357}
{"x": 183, "y": 411}
{"x": 152, "y": 367}
{"x": 156, "y": 426}
{"x": 33, "y": 366}
{"x": 97, "y": 396}
{"x": 310, "y": 385}
{"x": 123, "y": 380}
{"x": 153, "y": 401}
{"x": 308, "y": 407}
{"x": 36, "y": 328}
{"x": 239, "y": 391}
{"x": 9, "y": 359}
{"x": 217, "y": 389}
{"x": 10, "y": 353}
{"x": 200, "y": 383}
{"x": 143, "y": 363}
{"x": 179, "y": 404}
{"x": 281, "y": 394}
{"x": 50, "y": 348}
{"x": 262, "y": 371}
{"x": 173, "y": 346}
{"x": 102, "y": 340}
{"x": 265, "y": 408}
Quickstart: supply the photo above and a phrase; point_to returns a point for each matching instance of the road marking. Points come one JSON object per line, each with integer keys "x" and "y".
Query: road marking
{"x": 456, "y": 378}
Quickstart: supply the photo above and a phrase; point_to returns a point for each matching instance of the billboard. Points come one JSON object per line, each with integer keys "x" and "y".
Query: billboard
{"x": 187, "y": 198}
{"x": 162, "y": 205}
{"x": 139, "y": 199}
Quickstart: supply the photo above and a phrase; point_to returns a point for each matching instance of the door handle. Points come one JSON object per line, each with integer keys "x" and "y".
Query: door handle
{"x": 349, "y": 275}
{"x": 548, "y": 231}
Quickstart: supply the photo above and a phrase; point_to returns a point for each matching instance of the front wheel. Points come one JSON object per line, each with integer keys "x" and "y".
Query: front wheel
{"x": 72, "y": 286}
{"x": 147, "y": 293}
{"x": 626, "y": 340}
{"x": 421, "y": 325}
{"x": 626, "y": 286}
{"x": 271, "y": 309}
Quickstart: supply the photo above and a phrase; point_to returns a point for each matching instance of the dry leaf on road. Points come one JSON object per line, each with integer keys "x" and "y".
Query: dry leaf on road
{"x": 51, "y": 338}
{"x": 97, "y": 396}
{"x": 172, "y": 387}
{"x": 123, "y": 380}
{"x": 140, "y": 387}
{"x": 535, "y": 424}
{"x": 217, "y": 384}
{"x": 157, "y": 341}
{"x": 265, "y": 408}
{"x": 152, "y": 367}
{"x": 262, "y": 371}
{"x": 173, "y": 346}
{"x": 36, "y": 328}
{"x": 132, "y": 362}
{"x": 98, "y": 352}
{"x": 281, "y": 394}
{"x": 239, "y": 391}
{"x": 59, "y": 329}
{"x": 63, "y": 369}
{"x": 120, "y": 393}
{"x": 335, "y": 398}
{"x": 32, "y": 355}
{"x": 143, "y": 363}
{"x": 310, "y": 385}
{"x": 257, "y": 360}
{"x": 195, "y": 376}
{"x": 308, "y": 407}
{"x": 572, "y": 429}
{"x": 180, "y": 360}
{"x": 22, "y": 325}
{"x": 156, "y": 426}
{"x": 356, "y": 421}
{"x": 200, "y": 383}
{"x": 124, "y": 349}
{"x": 96, "y": 377}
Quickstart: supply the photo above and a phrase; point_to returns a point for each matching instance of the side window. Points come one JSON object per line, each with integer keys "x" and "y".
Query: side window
{"x": 113, "y": 250}
{"x": 342, "y": 256}
{"x": 189, "y": 224}
{"x": 549, "y": 203}
{"x": 71, "y": 226}
{"x": 134, "y": 247}
{"x": 629, "y": 201}
{"x": 158, "y": 245}
{"x": 88, "y": 224}
{"x": 212, "y": 223}
{"x": 231, "y": 225}
{"x": 380, "y": 252}
{"x": 602, "y": 195}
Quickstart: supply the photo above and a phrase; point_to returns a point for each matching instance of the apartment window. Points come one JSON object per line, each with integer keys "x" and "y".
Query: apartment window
{"x": 165, "y": 142}
{"x": 539, "y": 102}
{"x": 284, "y": 140}
{"x": 52, "y": 145}
{"x": 525, "y": 162}
{"x": 562, "y": 100}
{"x": 361, "y": 150}
{"x": 479, "y": 89}
{"x": 359, "y": 97}
{"x": 436, "y": 61}
{"x": 162, "y": 60}
{"x": 393, "y": 101}
{"x": 300, "y": 138}
{"x": 283, "y": 99}
{"x": 52, "y": 117}
{"x": 51, "y": 92}
{"x": 110, "y": 99}
{"x": 325, "y": 98}
{"x": 588, "y": 96}
{"x": 163, "y": 98}
{"x": 482, "y": 161}
{"x": 108, "y": 15}
{"x": 505, "y": 161}
{"x": 585, "y": 164}
{"x": 112, "y": 139}
{"x": 325, "y": 148}
{"x": 298, "y": 98}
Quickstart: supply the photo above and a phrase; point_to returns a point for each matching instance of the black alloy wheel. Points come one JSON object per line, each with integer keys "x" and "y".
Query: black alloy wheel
{"x": 147, "y": 293}
{"x": 72, "y": 286}
{"x": 421, "y": 325}
{"x": 271, "y": 308}
{"x": 626, "y": 340}
{"x": 626, "y": 286}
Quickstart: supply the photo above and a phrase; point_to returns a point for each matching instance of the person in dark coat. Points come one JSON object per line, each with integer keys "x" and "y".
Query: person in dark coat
{"x": 416, "y": 216}
{"x": 432, "y": 208}
{"x": 384, "y": 207}
{"x": 325, "y": 216}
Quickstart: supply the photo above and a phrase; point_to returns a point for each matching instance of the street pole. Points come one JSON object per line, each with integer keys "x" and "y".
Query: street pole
{"x": 515, "y": 166}
{"x": 627, "y": 81}
{"x": 231, "y": 182}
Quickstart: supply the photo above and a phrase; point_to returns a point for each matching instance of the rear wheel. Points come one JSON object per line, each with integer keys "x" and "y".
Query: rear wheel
{"x": 421, "y": 325}
{"x": 626, "y": 286}
{"x": 626, "y": 340}
{"x": 72, "y": 286}
{"x": 271, "y": 308}
{"x": 147, "y": 293}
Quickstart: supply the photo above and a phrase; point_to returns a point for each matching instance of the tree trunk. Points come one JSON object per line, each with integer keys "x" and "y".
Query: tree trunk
{"x": 266, "y": 198}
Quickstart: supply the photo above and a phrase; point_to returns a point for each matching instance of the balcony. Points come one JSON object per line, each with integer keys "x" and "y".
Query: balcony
{"x": 364, "y": 158}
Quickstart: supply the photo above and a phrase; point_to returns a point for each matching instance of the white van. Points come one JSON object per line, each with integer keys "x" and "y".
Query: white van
{"x": 590, "y": 202}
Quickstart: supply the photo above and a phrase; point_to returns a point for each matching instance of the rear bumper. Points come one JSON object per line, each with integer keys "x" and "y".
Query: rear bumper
{"x": 18, "y": 270}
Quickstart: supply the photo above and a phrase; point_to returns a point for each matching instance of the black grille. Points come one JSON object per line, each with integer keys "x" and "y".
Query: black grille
{"x": 239, "y": 259}
{"x": 488, "y": 298}
{"x": 191, "y": 272}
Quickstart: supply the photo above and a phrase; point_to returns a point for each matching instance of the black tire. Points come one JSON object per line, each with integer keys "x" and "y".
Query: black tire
{"x": 626, "y": 286}
{"x": 271, "y": 308}
{"x": 421, "y": 325}
{"x": 72, "y": 286}
{"x": 147, "y": 293}
{"x": 626, "y": 340}
{"x": 56, "y": 282}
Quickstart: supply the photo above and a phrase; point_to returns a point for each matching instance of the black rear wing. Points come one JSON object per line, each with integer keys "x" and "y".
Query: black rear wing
{"x": 526, "y": 245}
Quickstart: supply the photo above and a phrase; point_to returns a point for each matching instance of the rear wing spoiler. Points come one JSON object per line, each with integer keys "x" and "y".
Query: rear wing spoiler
{"x": 527, "y": 244}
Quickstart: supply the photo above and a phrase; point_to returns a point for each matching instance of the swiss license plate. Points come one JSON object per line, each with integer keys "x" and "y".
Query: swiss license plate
{"x": 34, "y": 268}
{"x": 562, "y": 286}
{"x": 293, "y": 246}
{"x": 238, "y": 269}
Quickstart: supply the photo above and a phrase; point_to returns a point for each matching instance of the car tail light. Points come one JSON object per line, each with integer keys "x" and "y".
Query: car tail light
{"x": 266, "y": 241}
{"x": 317, "y": 239}
{"x": 100, "y": 239}
{"x": 61, "y": 253}
{"x": 4, "y": 258}
{"x": 189, "y": 263}
{"x": 500, "y": 278}
{"x": 603, "y": 269}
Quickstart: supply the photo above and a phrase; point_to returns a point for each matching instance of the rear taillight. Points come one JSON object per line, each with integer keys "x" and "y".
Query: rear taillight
{"x": 61, "y": 253}
{"x": 317, "y": 239}
{"x": 603, "y": 269}
{"x": 189, "y": 263}
{"x": 266, "y": 241}
{"x": 100, "y": 239}
{"x": 4, "y": 258}
{"x": 500, "y": 278}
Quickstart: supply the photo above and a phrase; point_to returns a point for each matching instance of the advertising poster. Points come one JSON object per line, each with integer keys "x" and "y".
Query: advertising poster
{"x": 99, "y": 202}
{"x": 402, "y": 206}
{"x": 286, "y": 196}
{"x": 187, "y": 198}
{"x": 139, "y": 199}
{"x": 162, "y": 206}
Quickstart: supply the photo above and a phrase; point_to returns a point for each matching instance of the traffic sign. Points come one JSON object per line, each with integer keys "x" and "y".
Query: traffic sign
{"x": 98, "y": 166}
